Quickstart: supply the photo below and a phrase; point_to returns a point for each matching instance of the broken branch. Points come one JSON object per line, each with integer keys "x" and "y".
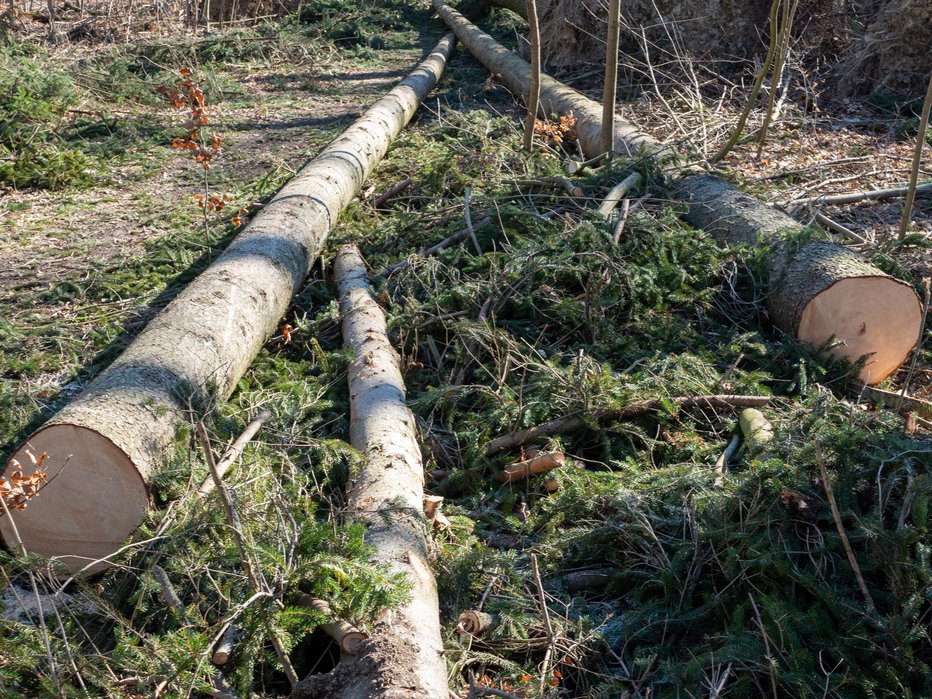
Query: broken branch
{"x": 571, "y": 423}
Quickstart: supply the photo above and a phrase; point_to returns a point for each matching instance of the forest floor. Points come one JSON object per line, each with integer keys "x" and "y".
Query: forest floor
{"x": 701, "y": 583}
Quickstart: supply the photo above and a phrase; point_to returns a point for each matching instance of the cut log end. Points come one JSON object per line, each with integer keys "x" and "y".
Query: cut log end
{"x": 874, "y": 316}
{"x": 93, "y": 500}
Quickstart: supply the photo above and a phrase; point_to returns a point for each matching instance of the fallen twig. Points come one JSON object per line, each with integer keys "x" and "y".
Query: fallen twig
{"x": 838, "y": 228}
{"x": 395, "y": 190}
{"x": 575, "y": 421}
{"x": 841, "y": 528}
{"x": 168, "y": 594}
{"x": 898, "y": 401}
{"x": 233, "y": 453}
{"x": 545, "y": 665}
{"x": 625, "y": 212}
{"x": 617, "y": 193}
{"x": 236, "y": 527}
{"x": 457, "y": 237}
{"x": 854, "y": 197}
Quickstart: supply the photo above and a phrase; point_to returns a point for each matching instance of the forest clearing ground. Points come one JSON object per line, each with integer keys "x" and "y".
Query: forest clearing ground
{"x": 698, "y": 583}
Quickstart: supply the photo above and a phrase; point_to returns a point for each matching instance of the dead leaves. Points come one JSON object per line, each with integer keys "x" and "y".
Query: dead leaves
{"x": 558, "y": 132}
{"x": 19, "y": 488}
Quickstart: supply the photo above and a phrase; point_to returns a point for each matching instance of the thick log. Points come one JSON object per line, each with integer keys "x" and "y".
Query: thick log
{"x": 104, "y": 445}
{"x": 403, "y": 656}
{"x": 820, "y": 291}
{"x": 817, "y": 292}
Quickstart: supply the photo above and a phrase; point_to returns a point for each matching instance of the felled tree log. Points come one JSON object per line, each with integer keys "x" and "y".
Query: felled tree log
{"x": 403, "y": 656}
{"x": 817, "y": 291}
{"x": 103, "y": 446}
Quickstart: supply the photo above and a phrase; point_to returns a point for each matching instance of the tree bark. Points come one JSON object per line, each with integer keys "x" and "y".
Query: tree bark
{"x": 818, "y": 292}
{"x": 104, "y": 445}
{"x": 403, "y": 656}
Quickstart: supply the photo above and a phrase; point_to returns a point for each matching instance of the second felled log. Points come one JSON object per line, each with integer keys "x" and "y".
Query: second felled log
{"x": 819, "y": 292}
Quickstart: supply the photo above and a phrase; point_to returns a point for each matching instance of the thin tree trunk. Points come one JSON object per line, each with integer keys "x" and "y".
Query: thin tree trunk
{"x": 611, "y": 77}
{"x": 917, "y": 162}
{"x": 103, "y": 446}
{"x": 817, "y": 292}
{"x": 403, "y": 656}
{"x": 533, "y": 102}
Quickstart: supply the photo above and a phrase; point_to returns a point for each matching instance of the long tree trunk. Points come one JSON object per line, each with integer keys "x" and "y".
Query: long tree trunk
{"x": 403, "y": 656}
{"x": 103, "y": 447}
{"x": 817, "y": 292}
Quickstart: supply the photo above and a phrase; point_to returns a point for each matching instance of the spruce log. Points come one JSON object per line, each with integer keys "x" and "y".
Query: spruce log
{"x": 103, "y": 447}
{"x": 403, "y": 656}
{"x": 817, "y": 292}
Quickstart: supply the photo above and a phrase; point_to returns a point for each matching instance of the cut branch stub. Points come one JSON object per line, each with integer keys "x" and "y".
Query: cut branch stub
{"x": 475, "y": 623}
{"x": 347, "y": 636}
{"x": 538, "y": 464}
{"x": 103, "y": 446}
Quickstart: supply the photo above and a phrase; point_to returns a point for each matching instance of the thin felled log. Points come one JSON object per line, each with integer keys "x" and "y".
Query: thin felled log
{"x": 817, "y": 292}
{"x": 347, "y": 636}
{"x": 103, "y": 446}
{"x": 571, "y": 423}
{"x": 541, "y": 463}
{"x": 403, "y": 656}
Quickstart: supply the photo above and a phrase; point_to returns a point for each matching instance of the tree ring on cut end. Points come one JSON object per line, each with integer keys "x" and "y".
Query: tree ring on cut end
{"x": 874, "y": 316}
{"x": 93, "y": 500}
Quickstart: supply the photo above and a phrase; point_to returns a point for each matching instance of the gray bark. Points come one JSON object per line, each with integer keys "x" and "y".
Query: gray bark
{"x": 403, "y": 656}
{"x": 715, "y": 205}
{"x": 197, "y": 348}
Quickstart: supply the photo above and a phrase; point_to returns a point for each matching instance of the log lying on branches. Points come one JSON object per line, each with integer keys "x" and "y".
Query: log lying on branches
{"x": 103, "y": 447}
{"x": 817, "y": 291}
{"x": 403, "y": 656}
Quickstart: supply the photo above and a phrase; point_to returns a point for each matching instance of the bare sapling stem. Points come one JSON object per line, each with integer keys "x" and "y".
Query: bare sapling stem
{"x": 609, "y": 90}
{"x": 917, "y": 161}
{"x": 533, "y": 100}
{"x": 786, "y": 30}
{"x": 755, "y": 90}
